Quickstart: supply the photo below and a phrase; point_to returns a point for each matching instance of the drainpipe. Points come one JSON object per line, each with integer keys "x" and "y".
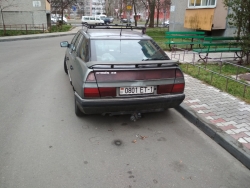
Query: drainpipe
{"x": 32, "y": 13}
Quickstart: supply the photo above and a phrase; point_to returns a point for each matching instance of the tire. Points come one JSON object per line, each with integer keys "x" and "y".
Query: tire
{"x": 78, "y": 112}
{"x": 65, "y": 66}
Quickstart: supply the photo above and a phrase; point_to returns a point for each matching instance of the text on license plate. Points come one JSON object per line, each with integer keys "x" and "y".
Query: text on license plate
{"x": 136, "y": 90}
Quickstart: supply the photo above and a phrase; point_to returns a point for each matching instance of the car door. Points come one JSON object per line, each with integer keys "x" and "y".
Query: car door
{"x": 85, "y": 19}
{"x": 72, "y": 56}
{"x": 80, "y": 64}
{"x": 91, "y": 20}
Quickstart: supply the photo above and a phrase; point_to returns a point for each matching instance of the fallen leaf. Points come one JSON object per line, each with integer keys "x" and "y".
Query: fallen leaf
{"x": 143, "y": 137}
{"x": 134, "y": 141}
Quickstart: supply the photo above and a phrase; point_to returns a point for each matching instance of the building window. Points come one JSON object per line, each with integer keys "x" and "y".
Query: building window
{"x": 201, "y": 3}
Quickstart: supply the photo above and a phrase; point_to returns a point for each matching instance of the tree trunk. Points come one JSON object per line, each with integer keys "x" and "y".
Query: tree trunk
{"x": 151, "y": 13}
{"x": 135, "y": 11}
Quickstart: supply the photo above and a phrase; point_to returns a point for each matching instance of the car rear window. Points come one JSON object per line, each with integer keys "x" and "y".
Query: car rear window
{"x": 126, "y": 50}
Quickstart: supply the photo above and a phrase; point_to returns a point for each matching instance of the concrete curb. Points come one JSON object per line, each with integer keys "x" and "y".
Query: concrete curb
{"x": 227, "y": 142}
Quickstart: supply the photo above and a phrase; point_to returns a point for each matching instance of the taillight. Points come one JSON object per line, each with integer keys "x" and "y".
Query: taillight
{"x": 164, "y": 89}
{"x": 99, "y": 92}
{"x": 178, "y": 73}
{"x": 91, "y": 77}
{"x": 107, "y": 91}
{"x": 178, "y": 88}
{"x": 91, "y": 93}
{"x": 171, "y": 88}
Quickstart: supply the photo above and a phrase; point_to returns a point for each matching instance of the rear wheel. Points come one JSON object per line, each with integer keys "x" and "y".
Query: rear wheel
{"x": 65, "y": 66}
{"x": 78, "y": 112}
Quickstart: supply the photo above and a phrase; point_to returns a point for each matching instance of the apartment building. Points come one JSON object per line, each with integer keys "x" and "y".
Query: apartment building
{"x": 205, "y": 15}
{"x": 89, "y": 7}
{"x": 26, "y": 12}
{"x": 98, "y": 7}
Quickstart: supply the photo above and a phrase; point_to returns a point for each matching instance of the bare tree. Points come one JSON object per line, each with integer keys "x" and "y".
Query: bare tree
{"x": 6, "y": 4}
{"x": 151, "y": 8}
{"x": 238, "y": 16}
{"x": 136, "y": 4}
{"x": 110, "y": 6}
{"x": 161, "y": 5}
{"x": 60, "y": 5}
{"x": 80, "y": 5}
{"x": 145, "y": 3}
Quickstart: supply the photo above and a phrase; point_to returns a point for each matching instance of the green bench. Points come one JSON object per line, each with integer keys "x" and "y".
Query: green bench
{"x": 219, "y": 45}
{"x": 184, "y": 38}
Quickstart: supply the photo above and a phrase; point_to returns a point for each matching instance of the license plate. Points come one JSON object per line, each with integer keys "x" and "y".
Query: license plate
{"x": 136, "y": 90}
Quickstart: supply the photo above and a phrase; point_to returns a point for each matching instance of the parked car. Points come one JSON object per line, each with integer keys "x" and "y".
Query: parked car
{"x": 56, "y": 19}
{"x": 107, "y": 20}
{"x": 165, "y": 24}
{"x": 53, "y": 20}
{"x": 92, "y": 21}
{"x": 121, "y": 71}
{"x": 124, "y": 20}
{"x": 65, "y": 21}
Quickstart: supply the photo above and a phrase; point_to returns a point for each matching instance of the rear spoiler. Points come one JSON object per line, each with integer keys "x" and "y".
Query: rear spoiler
{"x": 138, "y": 64}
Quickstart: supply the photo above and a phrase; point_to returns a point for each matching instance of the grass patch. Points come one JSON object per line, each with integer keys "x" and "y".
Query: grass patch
{"x": 158, "y": 34}
{"x": 232, "y": 87}
{"x": 226, "y": 69}
{"x": 60, "y": 28}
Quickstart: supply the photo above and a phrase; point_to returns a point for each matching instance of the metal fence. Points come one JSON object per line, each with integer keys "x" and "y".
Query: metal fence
{"x": 221, "y": 63}
{"x": 24, "y": 27}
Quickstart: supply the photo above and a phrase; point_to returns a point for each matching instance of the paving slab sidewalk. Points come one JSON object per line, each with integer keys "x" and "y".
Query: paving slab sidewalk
{"x": 220, "y": 115}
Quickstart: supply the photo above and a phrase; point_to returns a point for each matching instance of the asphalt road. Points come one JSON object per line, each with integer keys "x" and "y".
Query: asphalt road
{"x": 43, "y": 143}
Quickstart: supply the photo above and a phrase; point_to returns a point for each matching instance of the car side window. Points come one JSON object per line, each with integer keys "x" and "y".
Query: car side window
{"x": 84, "y": 50}
{"x": 74, "y": 42}
{"x": 75, "y": 37}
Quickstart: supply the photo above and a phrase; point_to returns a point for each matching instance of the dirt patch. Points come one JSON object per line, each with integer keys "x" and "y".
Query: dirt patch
{"x": 245, "y": 76}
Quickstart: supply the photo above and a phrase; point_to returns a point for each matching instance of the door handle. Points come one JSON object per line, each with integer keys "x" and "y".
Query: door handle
{"x": 67, "y": 58}
{"x": 71, "y": 67}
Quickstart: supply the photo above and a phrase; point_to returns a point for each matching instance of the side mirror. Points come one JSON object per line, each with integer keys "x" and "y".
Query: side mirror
{"x": 64, "y": 44}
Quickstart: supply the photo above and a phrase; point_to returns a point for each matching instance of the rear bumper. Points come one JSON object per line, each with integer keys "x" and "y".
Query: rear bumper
{"x": 128, "y": 105}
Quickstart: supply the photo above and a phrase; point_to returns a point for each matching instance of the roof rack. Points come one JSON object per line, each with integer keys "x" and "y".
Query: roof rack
{"x": 113, "y": 26}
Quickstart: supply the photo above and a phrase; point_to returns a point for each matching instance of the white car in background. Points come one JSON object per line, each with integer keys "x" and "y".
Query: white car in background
{"x": 65, "y": 20}
{"x": 92, "y": 21}
{"x": 166, "y": 23}
{"x": 56, "y": 19}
